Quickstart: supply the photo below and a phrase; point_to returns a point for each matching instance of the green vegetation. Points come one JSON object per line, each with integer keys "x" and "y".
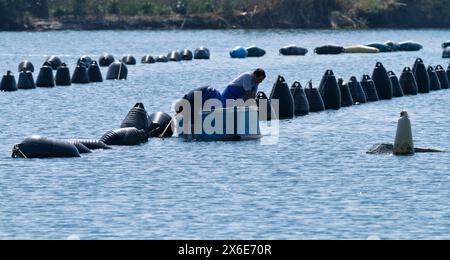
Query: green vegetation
{"x": 16, "y": 14}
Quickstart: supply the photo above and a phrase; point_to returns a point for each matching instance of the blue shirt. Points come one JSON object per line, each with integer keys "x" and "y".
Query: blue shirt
{"x": 237, "y": 88}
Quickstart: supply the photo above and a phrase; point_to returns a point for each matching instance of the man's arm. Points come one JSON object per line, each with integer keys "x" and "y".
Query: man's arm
{"x": 249, "y": 95}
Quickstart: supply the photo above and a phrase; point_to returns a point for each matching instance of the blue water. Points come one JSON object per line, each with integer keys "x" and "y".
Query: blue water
{"x": 315, "y": 183}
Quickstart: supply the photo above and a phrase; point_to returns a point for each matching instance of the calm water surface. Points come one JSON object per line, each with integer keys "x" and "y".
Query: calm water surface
{"x": 315, "y": 183}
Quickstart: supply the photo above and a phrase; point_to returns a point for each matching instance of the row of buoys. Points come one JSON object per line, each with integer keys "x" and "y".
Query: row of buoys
{"x": 335, "y": 93}
{"x": 250, "y": 52}
{"x": 86, "y": 71}
{"x": 391, "y": 46}
{"x": 369, "y": 48}
{"x": 136, "y": 128}
{"x": 201, "y": 53}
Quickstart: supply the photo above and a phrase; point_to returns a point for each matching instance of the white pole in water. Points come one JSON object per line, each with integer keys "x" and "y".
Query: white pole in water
{"x": 404, "y": 144}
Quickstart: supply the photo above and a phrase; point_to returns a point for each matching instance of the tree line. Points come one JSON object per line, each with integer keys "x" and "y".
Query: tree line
{"x": 297, "y": 11}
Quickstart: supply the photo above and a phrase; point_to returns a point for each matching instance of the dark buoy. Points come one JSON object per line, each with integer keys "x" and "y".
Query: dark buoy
{"x": 148, "y": 59}
{"x": 435, "y": 84}
{"x": 160, "y": 125}
{"x": 357, "y": 91}
{"x": 282, "y": 93}
{"x": 202, "y": 53}
{"x": 8, "y": 82}
{"x": 446, "y": 53}
{"x": 62, "y": 77}
{"x": 330, "y": 92}
{"x": 448, "y": 71}
{"x": 80, "y": 75}
{"x": 137, "y": 117}
{"x": 382, "y": 82}
{"x": 394, "y": 45}
{"x": 105, "y": 60}
{"x": 300, "y": 100}
{"x": 396, "y": 87}
{"x": 187, "y": 55}
{"x": 125, "y": 136}
{"x": 264, "y": 106}
{"x": 409, "y": 46}
{"x": 39, "y": 147}
{"x": 91, "y": 144}
{"x": 408, "y": 82}
{"x": 238, "y": 53}
{"x": 162, "y": 58}
{"x": 314, "y": 99}
{"x": 329, "y": 50}
{"x": 54, "y": 62}
{"x": 45, "y": 78}
{"x": 129, "y": 60}
{"x": 26, "y": 80}
{"x": 346, "y": 95}
{"x": 381, "y": 47}
{"x": 82, "y": 149}
{"x": 26, "y": 66}
{"x": 86, "y": 60}
{"x": 255, "y": 52}
{"x": 174, "y": 56}
{"x": 422, "y": 78}
{"x": 293, "y": 50}
{"x": 370, "y": 89}
{"x": 117, "y": 71}
{"x": 443, "y": 78}
{"x": 94, "y": 72}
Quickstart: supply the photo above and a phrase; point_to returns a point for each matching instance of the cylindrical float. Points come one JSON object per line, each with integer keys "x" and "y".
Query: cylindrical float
{"x": 62, "y": 77}
{"x": 202, "y": 53}
{"x": 422, "y": 77}
{"x": 45, "y": 78}
{"x": 80, "y": 74}
{"x": 39, "y": 147}
{"x": 8, "y": 83}
{"x": 137, "y": 117}
{"x": 300, "y": 100}
{"x": 282, "y": 93}
{"x": 25, "y": 81}
{"x": 129, "y": 60}
{"x": 408, "y": 82}
{"x": 187, "y": 55}
{"x": 94, "y": 72}
{"x": 346, "y": 95}
{"x": 404, "y": 143}
{"x": 314, "y": 99}
{"x": 357, "y": 91}
{"x": 117, "y": 71}
{"x": 105, "y": 60}
{"x": 26, "y": 66}
{"x": 396, "y": 87}
{"x": 435, "y": 84}
{"x": 54, "y": 62}
{"x": 125, "y": 137}
{"x": 293, "y": 50}
{"x": 443, "y": 78}
{"x": 369, "y": 89}
{"x": 148, "y": 59}
{"x": 329, "y": 50}
{"x": 329, "y": 89}
{"x": 255, "y": 52}
{"x": 160, "y": 125}
{"x": 382, "y": 82}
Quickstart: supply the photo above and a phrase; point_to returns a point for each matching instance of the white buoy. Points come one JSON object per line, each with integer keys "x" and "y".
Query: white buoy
{"x": 404, "y": 144}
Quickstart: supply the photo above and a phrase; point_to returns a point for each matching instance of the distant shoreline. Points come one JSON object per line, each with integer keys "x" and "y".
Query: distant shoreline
{"x": 196, "y": 22}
